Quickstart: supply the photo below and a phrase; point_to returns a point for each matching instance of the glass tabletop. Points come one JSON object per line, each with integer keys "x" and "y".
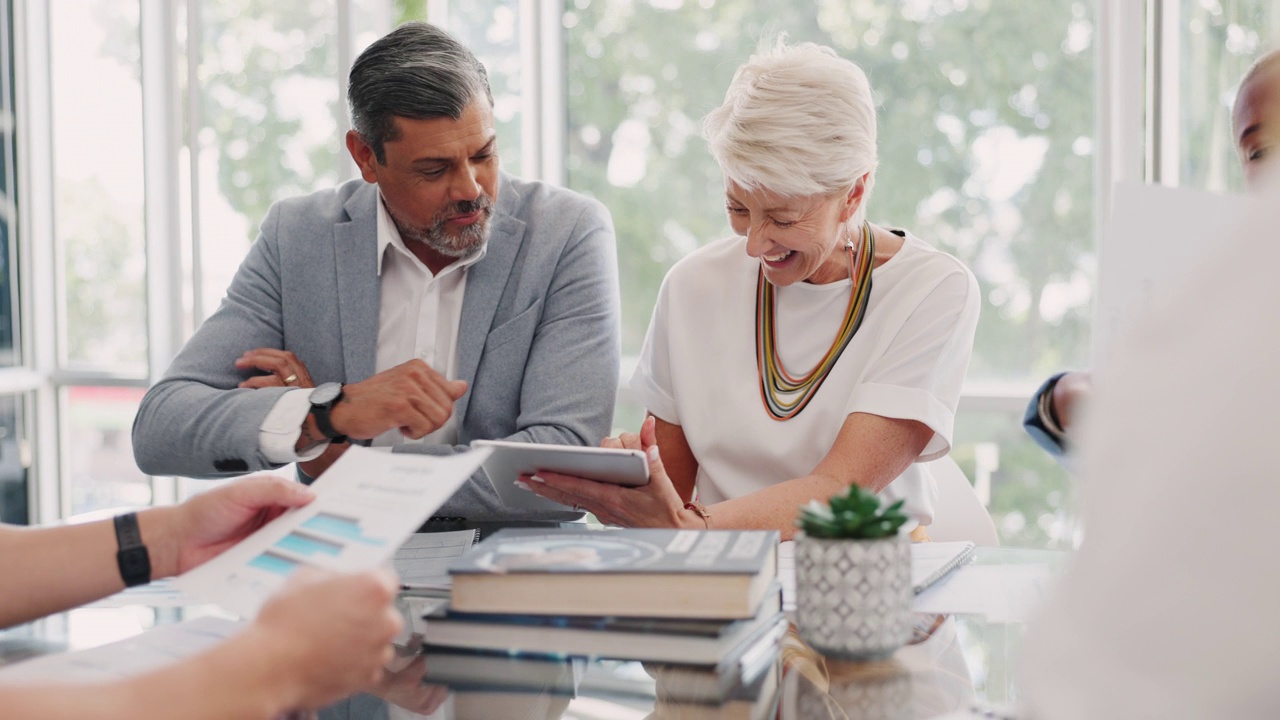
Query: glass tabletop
{"x": 952, "y": 663}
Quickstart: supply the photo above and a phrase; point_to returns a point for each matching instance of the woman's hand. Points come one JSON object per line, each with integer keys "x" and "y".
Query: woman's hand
{"x": 328, "y": 635}
{"x": 183, "y": 536}
{"x": 654, "y": 505}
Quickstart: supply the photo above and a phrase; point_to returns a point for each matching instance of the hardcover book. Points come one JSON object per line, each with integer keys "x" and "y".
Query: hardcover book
{"x": 694, "y": 642}
{"x": 649, "y": 573}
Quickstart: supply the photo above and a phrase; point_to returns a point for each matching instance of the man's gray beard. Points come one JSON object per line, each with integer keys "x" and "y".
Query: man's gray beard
{"x": 467, "y": 242}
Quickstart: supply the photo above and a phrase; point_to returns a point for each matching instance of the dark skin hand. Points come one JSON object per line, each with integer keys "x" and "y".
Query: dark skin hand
{"x": 412, "y": 397}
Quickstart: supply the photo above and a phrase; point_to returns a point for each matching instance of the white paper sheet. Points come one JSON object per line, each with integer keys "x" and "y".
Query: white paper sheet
{"x": 1003, "y": 593}
{"x": 134, "y": 656}
{"x": 366, "y": 505}
{"x": 422, "y": 562}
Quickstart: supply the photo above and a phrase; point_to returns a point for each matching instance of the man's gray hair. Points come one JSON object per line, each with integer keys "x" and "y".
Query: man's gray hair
{"x": 797, "y": 120}
{"x": 416, "y": 71}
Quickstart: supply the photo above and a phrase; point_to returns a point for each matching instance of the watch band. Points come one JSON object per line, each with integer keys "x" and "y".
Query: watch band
{"x": 324, "y": 423}
{"x": 132, "y": 557}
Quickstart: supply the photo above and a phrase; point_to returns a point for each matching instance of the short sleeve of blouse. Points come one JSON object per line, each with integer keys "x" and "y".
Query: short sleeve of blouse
{"x": 920, "y": 375}
{"x": 652, "y": 381}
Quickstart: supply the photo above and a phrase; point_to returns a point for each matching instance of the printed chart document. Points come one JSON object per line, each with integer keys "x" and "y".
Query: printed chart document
{"x": 367, "y": 504}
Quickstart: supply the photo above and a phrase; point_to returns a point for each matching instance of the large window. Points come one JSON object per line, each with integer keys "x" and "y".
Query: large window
{"x": 986, "y": 150}
{"x": 159, "y": 133}
{"x": 268, "y": 121}
{"x": 15, "y": 453}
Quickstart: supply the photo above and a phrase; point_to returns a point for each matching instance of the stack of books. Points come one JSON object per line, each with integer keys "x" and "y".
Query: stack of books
{"x": 692, "y": 598}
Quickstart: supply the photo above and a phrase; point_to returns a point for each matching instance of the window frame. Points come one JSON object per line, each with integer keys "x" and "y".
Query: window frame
{"x": 1133, "y": 139}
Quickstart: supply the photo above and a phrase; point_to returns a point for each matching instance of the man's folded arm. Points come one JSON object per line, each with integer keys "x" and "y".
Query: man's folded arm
{"x": 196, "y": 422}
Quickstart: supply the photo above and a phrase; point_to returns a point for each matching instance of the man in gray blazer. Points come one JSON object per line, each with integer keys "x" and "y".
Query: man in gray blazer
{"x": 432, "y": 302}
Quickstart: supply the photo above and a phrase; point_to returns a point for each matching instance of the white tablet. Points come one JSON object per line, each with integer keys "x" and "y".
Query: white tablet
{"x": 510, "y": 460}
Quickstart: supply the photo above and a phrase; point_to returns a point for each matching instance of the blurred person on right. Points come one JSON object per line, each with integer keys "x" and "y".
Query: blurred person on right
{"x": 1167, "y": 610}
{"x": 1057, "y": 406}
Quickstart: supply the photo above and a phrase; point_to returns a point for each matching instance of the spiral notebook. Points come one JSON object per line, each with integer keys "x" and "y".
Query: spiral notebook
{"x": 930, "y": 562}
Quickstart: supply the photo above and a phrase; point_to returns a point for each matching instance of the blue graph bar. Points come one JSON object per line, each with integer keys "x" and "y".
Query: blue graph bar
{"x": 272, "y": 563}
{"x": 338, "y": 526}
{"x": 308, "y": 546}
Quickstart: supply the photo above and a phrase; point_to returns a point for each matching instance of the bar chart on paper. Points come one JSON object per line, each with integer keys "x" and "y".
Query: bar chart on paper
{"x": 366, "y": 505}
{"x": 328, "y": 523}
{"x": 325, "y": 534}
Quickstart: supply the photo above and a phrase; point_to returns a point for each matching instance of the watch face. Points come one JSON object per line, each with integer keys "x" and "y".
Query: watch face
{"x": 326, "y": 394}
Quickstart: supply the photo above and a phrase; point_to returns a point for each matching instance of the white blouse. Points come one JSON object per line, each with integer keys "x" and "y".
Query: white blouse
{"x": 698, "y": 369}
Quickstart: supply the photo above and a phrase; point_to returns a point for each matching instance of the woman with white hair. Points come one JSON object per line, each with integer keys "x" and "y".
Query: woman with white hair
{"x": 814, "y": 349}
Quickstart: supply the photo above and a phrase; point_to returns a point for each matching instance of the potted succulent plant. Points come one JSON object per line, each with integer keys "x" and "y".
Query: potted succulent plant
{"x": 853, "y": 576}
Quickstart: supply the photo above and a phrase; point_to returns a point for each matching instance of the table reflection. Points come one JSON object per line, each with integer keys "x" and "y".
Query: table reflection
{"x": 952, "y": 663}
{"x": 932, "y": 676}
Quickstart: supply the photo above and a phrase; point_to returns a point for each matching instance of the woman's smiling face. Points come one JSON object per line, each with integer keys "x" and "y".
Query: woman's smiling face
{"x": 795, "y": 239}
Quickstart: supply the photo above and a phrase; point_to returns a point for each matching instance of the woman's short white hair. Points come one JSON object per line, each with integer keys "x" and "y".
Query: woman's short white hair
{"x": 797, "y": 120}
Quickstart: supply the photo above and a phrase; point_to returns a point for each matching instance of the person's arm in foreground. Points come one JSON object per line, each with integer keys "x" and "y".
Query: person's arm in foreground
{"x": 57, "y": 568}
{"x": 319, "y": 640}
{"x": 299, "y": 652}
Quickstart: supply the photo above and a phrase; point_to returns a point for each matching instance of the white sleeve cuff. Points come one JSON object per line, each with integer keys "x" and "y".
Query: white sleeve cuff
{"x": 282, "y": 426}
{"x": 907, "y": 403}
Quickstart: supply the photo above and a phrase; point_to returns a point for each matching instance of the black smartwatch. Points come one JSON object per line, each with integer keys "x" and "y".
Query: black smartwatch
{"x": 323, "y": 398}
{"x": 132, "y": 556}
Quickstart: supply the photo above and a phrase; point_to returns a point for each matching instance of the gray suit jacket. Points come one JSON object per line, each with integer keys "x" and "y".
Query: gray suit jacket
{"x": 538, "y": 340}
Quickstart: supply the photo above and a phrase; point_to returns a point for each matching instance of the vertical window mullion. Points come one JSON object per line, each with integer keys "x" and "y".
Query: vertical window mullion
{"x": 39, "y": 294}
{"x": 162, "y": 102}
{"x": 551, "y": 87}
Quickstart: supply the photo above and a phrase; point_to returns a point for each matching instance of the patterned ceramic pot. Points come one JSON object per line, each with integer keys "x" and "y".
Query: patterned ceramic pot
{"x": 853, "y": 597}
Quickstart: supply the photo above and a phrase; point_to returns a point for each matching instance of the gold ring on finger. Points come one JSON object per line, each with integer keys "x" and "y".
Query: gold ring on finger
{"x": 289, "y": 380}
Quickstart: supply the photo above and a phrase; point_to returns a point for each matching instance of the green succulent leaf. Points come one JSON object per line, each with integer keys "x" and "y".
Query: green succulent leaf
{"x": 855, "y": 514}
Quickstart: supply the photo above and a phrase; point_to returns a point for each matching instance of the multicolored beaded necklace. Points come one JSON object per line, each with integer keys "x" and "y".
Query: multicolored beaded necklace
{"x": 785, "y": 396}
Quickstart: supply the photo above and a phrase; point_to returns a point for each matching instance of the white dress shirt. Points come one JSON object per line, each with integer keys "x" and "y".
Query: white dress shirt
{"x": 418, "y": 317}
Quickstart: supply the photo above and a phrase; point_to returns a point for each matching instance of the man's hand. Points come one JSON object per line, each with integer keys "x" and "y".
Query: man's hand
{"x": 330, "y": 634}
{"x": 180, "y": 537}
{"x": 412, "y": 397}
{"x": 283, "y": 369}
